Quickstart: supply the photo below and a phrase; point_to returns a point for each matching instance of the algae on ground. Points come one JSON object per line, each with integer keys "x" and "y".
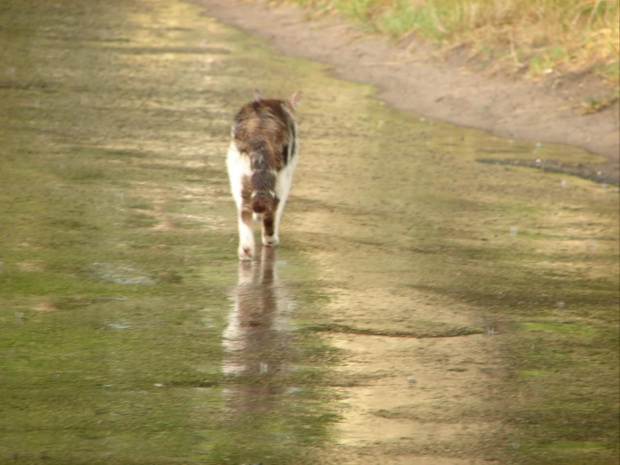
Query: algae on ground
{"x": 117, "y": 253}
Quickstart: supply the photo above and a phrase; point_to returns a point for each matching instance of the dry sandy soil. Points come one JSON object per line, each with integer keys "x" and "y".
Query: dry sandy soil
{"x": 410, "y": 78}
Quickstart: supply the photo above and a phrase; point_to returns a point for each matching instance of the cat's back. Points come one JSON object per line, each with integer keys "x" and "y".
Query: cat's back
{"x": 265, "y": 119}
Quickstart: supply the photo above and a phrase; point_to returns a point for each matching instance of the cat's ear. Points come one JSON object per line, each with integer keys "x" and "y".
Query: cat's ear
{"x": 257, "y": 96}
{"x": 295, "y": 99}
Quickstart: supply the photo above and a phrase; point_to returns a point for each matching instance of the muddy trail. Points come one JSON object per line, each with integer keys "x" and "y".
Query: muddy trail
{"x": 423, "y": 307}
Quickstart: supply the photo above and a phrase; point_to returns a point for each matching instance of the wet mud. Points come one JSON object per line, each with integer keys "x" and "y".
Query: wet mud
{"x": 423, "y": 307}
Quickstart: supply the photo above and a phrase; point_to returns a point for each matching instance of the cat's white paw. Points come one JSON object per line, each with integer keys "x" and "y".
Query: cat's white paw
{"x": 271, "y": 241}
{"x": 246, "y": 251}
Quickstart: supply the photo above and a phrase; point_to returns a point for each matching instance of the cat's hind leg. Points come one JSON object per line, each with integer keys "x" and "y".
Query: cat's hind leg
{"x": 239, "y": 171}
{"x": 283, "y": 187}
{"x": 246, "y": 235}
{"x": 270, "y": 224}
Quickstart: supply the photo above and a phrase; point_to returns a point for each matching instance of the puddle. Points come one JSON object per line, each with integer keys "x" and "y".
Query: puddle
{"x": 120, "y": 274}
{"x": 422, "y": 308}
{"x": 257, "y": 337}
{"x": 272, "y": 405}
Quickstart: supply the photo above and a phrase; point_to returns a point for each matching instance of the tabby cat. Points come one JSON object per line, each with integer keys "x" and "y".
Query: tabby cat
{"x": 261, "y": 159}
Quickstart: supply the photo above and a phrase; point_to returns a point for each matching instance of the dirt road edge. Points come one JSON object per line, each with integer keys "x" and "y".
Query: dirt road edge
{"x": 408, "y": 80}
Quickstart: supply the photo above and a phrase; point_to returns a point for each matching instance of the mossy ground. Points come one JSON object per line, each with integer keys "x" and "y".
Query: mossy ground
{"x": 116, "y": 267}
{"x": 118, "y": 252}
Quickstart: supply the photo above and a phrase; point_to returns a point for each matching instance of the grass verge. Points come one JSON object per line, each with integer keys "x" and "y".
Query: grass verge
{"x": 571, "y": 39}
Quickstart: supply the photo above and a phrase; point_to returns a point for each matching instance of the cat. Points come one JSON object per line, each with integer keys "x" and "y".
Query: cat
{"x": 261, "y": 160}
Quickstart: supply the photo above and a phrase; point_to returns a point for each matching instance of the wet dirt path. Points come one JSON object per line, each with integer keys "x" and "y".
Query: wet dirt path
{"x": 423, "y": 307}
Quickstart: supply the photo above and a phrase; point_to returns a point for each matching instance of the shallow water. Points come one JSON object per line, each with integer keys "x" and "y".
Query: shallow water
{"x": 423, "y": 307}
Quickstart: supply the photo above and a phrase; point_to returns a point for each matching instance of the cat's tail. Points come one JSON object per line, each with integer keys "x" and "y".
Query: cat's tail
{"x": 263, "y": 184}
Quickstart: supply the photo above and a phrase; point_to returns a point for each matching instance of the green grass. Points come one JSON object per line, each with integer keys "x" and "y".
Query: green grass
{"x": 532, "y": 38}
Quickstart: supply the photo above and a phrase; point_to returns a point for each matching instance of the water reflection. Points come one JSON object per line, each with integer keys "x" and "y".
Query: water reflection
{"x": 257, "y": 337}
{"x": 276, "y": 405}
